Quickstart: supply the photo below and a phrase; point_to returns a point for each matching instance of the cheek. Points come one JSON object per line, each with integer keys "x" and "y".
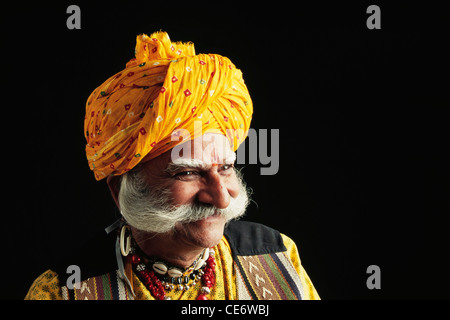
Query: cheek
{"x": 233, "y": 186}
{"x": 186, "y": 192}
{"x": 183, "y": 193}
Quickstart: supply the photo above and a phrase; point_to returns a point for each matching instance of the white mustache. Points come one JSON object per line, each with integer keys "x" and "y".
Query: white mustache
{"x": 150, "y": 209}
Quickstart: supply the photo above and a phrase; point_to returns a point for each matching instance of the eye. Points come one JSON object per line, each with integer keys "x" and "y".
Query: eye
{"x": 226, "y": 167}
{"x": 185, "y": 175}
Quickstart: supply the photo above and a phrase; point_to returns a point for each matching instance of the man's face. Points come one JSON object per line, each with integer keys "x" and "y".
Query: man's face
{"x": 204, "y": 177}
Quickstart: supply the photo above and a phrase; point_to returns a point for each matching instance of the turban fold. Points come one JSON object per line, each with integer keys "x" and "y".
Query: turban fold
{"x": 137, "y": 112}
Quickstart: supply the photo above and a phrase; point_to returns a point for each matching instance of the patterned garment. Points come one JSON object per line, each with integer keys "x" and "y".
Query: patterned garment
{"x": 166, "y": 93}
{"x": 262, "y": 277}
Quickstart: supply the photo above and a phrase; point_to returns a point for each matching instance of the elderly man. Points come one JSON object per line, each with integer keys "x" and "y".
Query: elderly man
{"x": 163, "y": 132}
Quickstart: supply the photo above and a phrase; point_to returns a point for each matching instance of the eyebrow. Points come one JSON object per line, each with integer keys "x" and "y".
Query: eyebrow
{"x": 183, "y": 163}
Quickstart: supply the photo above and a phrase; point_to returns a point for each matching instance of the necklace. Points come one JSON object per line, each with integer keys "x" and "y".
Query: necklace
{"x": 158, "y": 276}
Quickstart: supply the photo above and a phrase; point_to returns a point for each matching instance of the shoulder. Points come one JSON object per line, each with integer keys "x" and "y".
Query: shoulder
{"x": 95, "y": 257}
{"x": 45, "y": 287}
{"x": 250, "y": 238}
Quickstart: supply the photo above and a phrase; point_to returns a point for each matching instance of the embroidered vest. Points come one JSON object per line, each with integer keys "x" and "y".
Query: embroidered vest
{"x": 109, "y": 286}
{"x": 263, "y": 270}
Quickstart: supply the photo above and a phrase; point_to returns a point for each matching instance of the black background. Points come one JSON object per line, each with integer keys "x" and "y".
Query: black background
{"x": 363, "y": 119}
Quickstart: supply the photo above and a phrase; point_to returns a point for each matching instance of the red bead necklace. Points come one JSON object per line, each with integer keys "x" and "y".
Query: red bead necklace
{"x": 156, "y": 287}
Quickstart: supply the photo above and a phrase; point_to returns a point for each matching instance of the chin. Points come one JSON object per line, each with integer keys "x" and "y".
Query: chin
{"x": 204, "y": 233}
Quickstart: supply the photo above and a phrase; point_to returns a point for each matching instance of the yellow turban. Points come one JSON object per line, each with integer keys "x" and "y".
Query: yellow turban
{"x": 167, "y": 87}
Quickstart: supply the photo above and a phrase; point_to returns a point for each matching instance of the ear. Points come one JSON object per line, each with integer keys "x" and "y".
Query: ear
{"x": 114, "y": 186}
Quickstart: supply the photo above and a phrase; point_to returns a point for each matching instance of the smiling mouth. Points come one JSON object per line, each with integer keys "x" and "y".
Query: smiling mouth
{"x": 212, "y": 218}
{"x": 215, "y": 215}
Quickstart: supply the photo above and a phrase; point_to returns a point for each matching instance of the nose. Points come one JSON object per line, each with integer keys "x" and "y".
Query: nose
{"x": 215, "y": 192}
